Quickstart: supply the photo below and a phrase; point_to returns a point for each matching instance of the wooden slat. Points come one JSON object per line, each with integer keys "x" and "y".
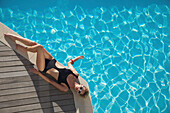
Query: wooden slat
{"x": 37, "y": 111}
{"x": 34, "y": 95}
{"x": 16, "y": 85}
{"x": 5, "y": 48}
{"x": 20, "y": 84}
{"x": 8, "y": 78}
{"x": 14, "y": 68}
{"x": 23, "y": 90}
{"x": 11, "y": 79}
{"x": 33, "y": 101}
{"x": 47, "y": 111}
{"x": 20, "y": 108}
{"x": 18, "y": 96}
{"x": 16, "y": 91}
{"x": 15, "y": 63}
{"x": 71, "y": 111}
{"x": 22, "y": 76}
{"x": 36, "y": 108}
{"x": 34, "y": 78}
{"x": 7, "y": 53}
{"x": 10, "y": 58}
{"x": 64, "y": 108}
{"x": 55, "y": 109}
{"x": 13, "y": 88}
{"x": 68, "y": 99}
{"x": 17, "y": 74}
{"x": 30, "y": 88}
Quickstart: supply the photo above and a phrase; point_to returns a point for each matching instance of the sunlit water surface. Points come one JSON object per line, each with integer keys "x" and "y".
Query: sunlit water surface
{"x": 127, "y": 58}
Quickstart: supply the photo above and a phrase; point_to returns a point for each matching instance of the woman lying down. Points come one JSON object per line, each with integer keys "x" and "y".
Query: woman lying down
{"x": 67, "y": 78}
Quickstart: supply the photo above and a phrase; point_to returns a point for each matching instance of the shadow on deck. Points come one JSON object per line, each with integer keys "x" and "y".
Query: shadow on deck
{"x": 22, "y": 91}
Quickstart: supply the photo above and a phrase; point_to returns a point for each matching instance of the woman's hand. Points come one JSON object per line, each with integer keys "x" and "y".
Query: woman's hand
{"x": 75, "y": 59}
{"x": 81, "y": 57}
{"x": 33, "y": 70}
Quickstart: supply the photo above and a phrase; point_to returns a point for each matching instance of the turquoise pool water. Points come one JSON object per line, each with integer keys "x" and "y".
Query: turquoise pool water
{"x": 126, "y": 47}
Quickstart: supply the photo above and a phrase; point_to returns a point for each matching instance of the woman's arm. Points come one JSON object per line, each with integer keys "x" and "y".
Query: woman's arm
{"x": 75, "y": 59}
{"x": 58, "y": 86}
{"x": 71, "y": 62}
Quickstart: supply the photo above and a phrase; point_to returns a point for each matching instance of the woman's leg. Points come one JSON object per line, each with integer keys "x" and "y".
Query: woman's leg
{"x": 28, "y": 43}
{"x": 45, "y": 52}
{"x": 23, "y": 40}
{"x": 40, "y": 61}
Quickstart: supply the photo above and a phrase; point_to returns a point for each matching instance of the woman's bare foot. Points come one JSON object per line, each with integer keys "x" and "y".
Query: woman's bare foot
{"x": 11, "y": 36}
{"x": 6, "y": 34}
{"x": 21, "y": 48}
{"x": 19, "y": 38}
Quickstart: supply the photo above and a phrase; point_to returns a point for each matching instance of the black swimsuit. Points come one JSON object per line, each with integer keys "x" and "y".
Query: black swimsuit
{"x": 63, "y": 73}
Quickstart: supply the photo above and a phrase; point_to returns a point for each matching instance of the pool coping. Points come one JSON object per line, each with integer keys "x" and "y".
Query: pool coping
{"x": 83, "y": 105}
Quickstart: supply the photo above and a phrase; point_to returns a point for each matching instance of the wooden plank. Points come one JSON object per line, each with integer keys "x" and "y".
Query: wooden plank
{"x": 22, "y": 76}
{"x": 47, "y": 111}
{"x": 5, "y": 48}
{"x": 20, "y": 108}
{"x": 7, "y": 80}
{"x": 60, "y": 97}
{"x": 21, "y": 84}
{"x": 51, "y": 93}
{"x": 37, "y": 80}
{"x": 34, "y": 81}
{"x": 7, "y": 77}
{"x": 12, "y": 79}
{"x": 18, "y": 96}
{"x": 64, "y": 108}
{"x": 37, "y": 111}
{"x": 25, "y": 78}
{"x": 10, "y": 58}
{"x": 16, "y": 85}
{"x": 19, "y": 102}
{"x": 7, "y": 53}
{"x": 10, "y": 53}
{"x": 29, "y": 88}
{"x": 16, "y": 91}
{"x": 55, "y": 108}
{"x": 59, "y": 109}
{"x": 13, "y": 74}
{"x": 14, "y": 68}
{"x": 57, "y": 101}
{"x": 33, "y": 101}
{"x": 71, "y": 111}
{"x": 15, "y": 63}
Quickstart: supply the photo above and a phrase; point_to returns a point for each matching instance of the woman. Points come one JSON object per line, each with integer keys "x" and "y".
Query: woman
{"x": 67, "y": 78}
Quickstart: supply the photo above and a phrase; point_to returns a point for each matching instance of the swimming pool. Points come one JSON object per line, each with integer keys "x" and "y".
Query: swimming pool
{"x": 126, "y": 47}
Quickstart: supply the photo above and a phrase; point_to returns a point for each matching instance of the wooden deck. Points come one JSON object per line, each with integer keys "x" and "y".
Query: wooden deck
{"x": 25, "y": 92}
